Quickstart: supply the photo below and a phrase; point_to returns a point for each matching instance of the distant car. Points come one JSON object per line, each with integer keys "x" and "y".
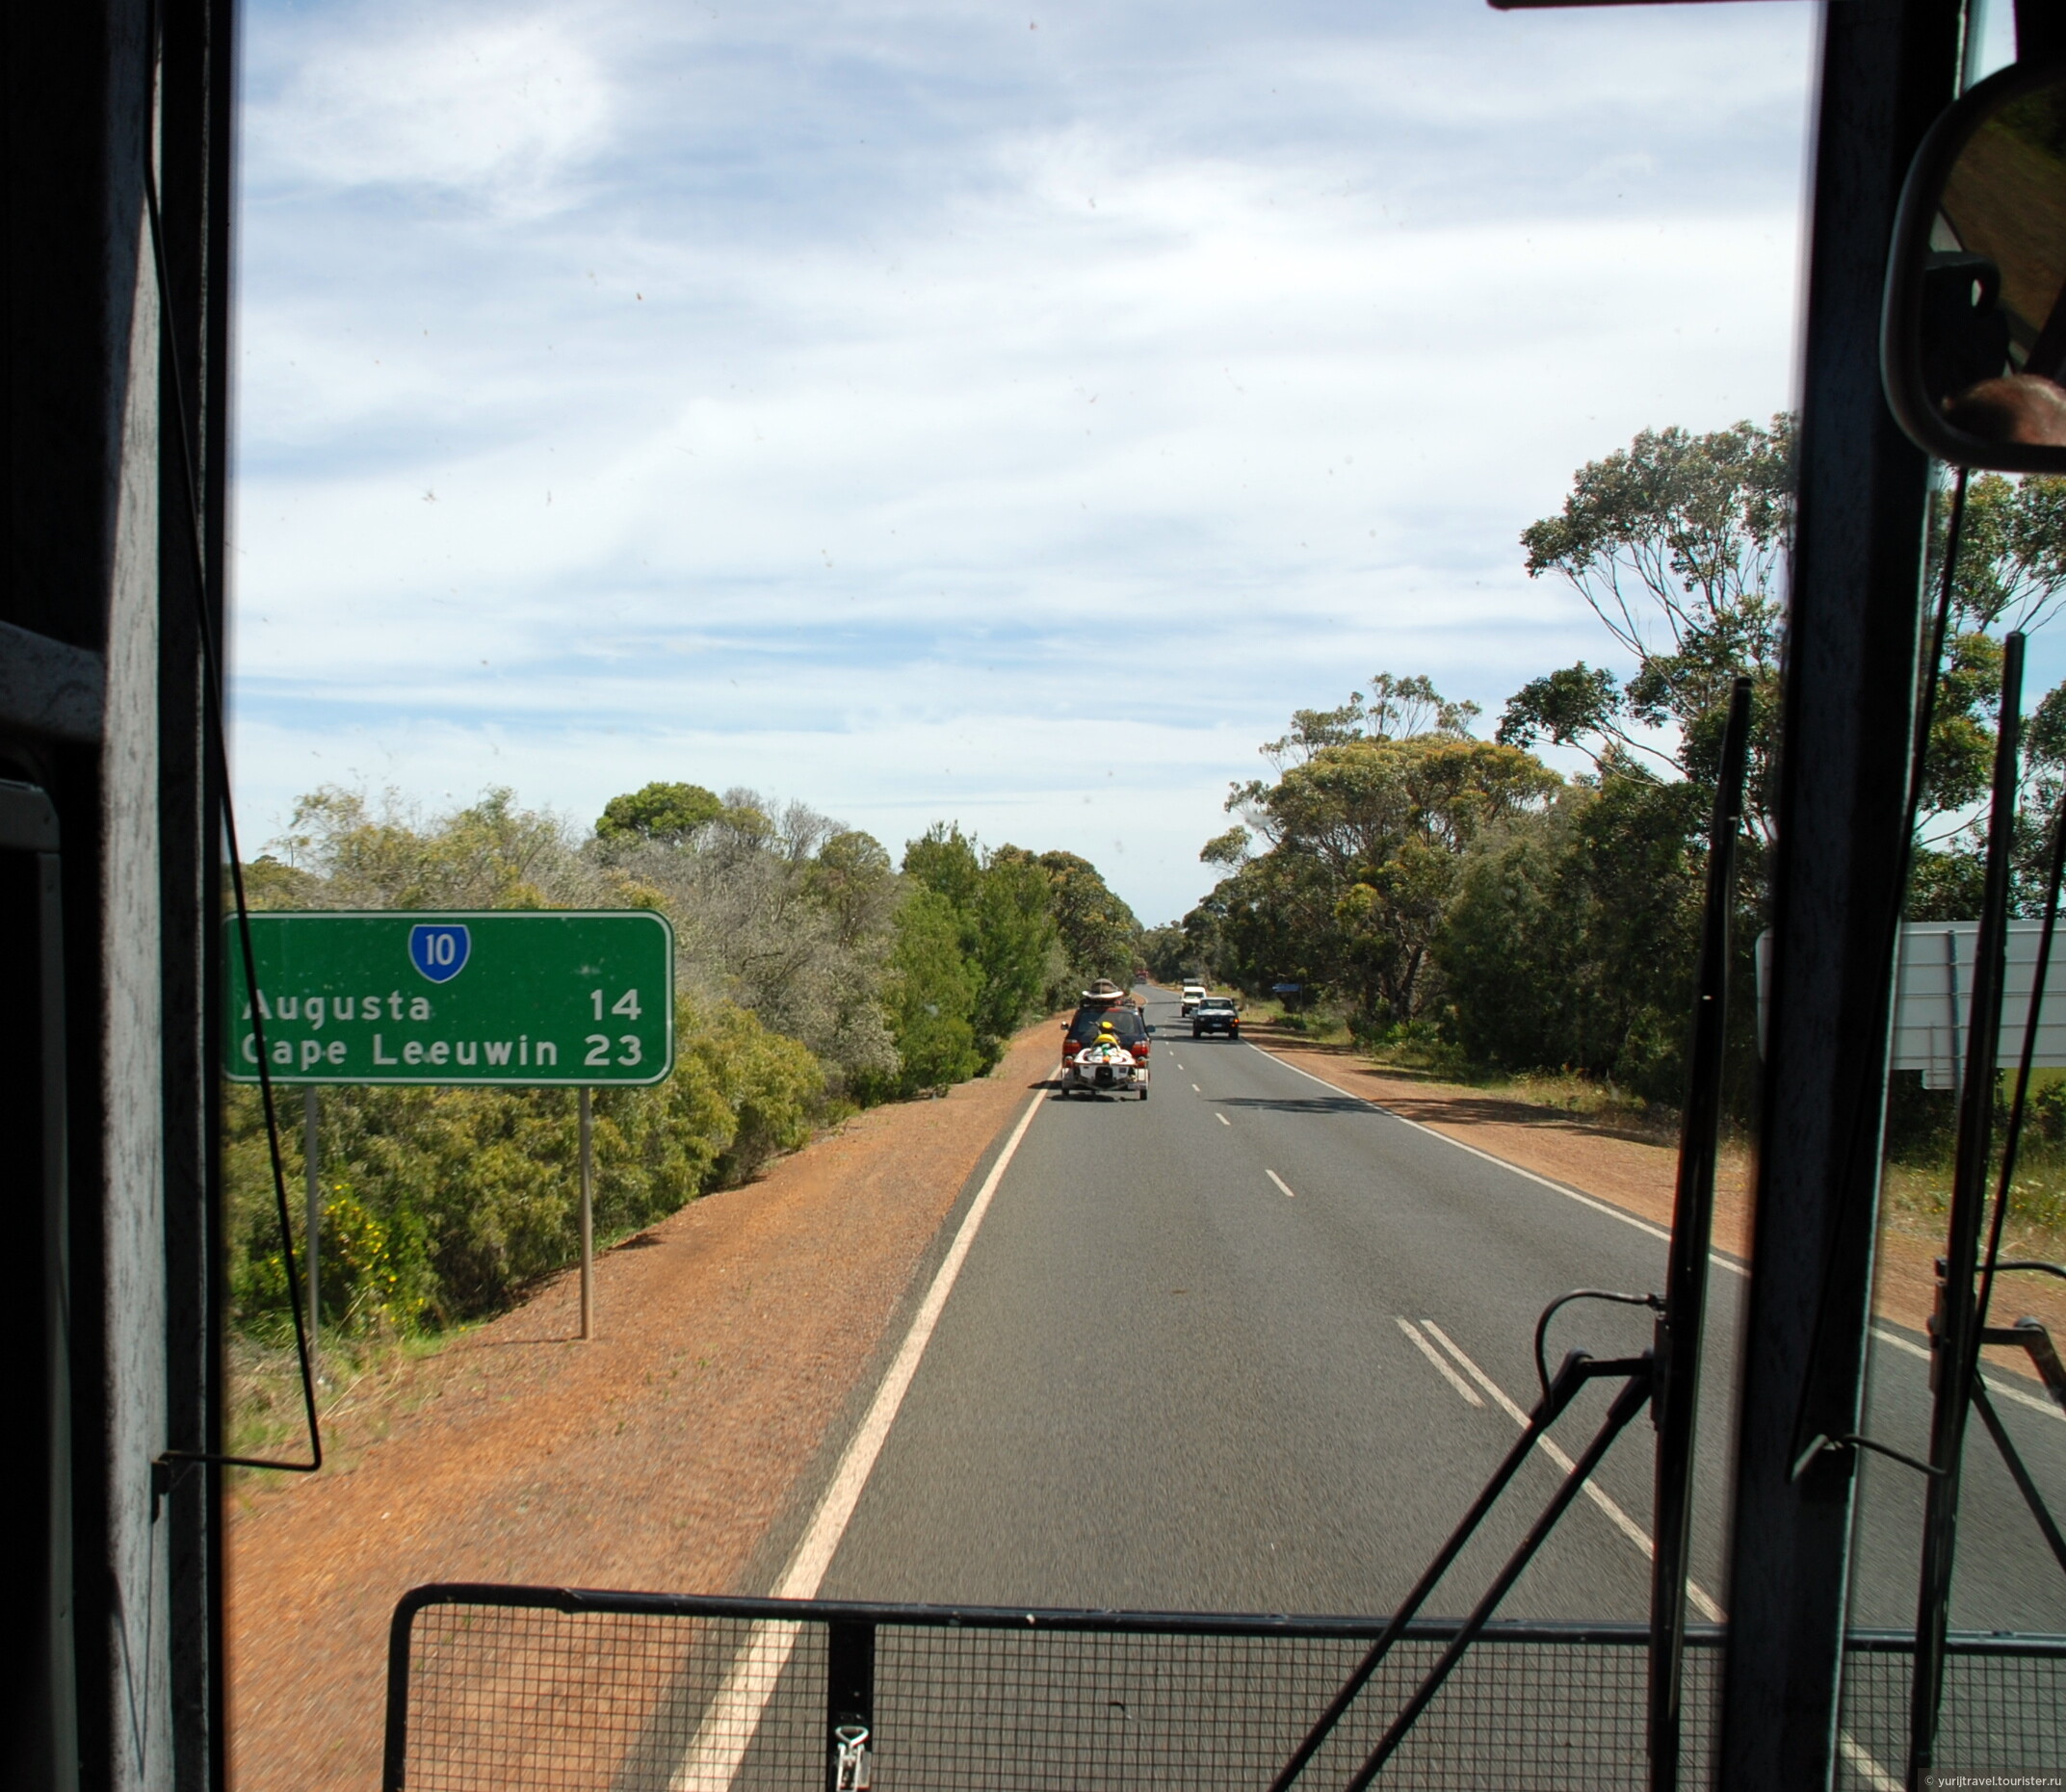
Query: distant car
{"x": 1216, "y": 1014}
{"x": 1193, "y": 995}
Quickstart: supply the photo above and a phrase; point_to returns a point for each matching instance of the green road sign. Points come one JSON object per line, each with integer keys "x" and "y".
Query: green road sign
{"x": 508, "y": 996}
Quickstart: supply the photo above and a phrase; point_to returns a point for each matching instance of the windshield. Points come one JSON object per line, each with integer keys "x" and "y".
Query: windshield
{"x": 750, "y": 470}
{"x": 1121, "y": 1022}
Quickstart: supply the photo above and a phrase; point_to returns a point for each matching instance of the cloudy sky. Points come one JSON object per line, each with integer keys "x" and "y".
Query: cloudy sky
{"x": 938, "y": 409}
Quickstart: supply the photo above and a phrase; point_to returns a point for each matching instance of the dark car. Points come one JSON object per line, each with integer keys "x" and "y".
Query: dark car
{"x": 1216, "y": 1014}
{"x": 1131, "y": 1029}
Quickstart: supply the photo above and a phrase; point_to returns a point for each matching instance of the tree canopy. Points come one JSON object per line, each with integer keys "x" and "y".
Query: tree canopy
{"x": 1678, "y": 545}
{"x": 668, "y": 814}
{"x": 1363, "y": 832}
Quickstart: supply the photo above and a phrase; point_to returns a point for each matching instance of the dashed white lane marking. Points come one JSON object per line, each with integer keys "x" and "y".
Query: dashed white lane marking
{"x": 1612, "y": 1212}
{"x": 1994, "y": 1387}
{"x": 1194, "y": 1089}
{"x": 712, "y": 1760}
{"x": 1223, "y": 1120}
{"x": 1442, "y": 1368}
{"x": 1867, "y": 1768}
{"x": 1280, "y": 1182}
{"x": 1621, "y": 1521}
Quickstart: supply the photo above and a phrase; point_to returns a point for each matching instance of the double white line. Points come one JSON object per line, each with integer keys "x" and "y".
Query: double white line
{"x": 1861, "y": 1758}
{"x": 1616, "y": 1516}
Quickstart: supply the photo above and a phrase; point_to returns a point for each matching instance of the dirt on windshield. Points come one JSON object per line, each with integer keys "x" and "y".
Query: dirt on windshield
{"x": 672, "y": 1452}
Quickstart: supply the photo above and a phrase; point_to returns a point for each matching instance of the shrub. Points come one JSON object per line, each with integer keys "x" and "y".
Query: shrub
{"x": 442, "y": 1204}
{"x": 770, "y": 1084}
{"x": 931, "y": 996}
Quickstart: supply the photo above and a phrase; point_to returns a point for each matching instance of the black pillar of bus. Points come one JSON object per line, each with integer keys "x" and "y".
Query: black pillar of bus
{"x": 1888, "y": 68}
{"x": 88, "y": 434}
{"x": 73, "y": 102}
{"x": 197, "y": 89}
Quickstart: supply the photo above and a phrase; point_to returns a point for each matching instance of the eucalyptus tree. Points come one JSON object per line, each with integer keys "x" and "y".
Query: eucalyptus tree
{"x": 670, "y": 813}
{"x": 1362, "y": 841}
{"x": 1677, "y": 544}
{"x": 1005, "y": 910}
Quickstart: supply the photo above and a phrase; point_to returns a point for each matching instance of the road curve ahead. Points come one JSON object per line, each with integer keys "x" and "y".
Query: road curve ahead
{"x": 1253, "y": 1345}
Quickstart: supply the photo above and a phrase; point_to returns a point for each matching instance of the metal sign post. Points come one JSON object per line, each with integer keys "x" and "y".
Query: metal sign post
{"x": 587, "y": 1213}
{"x": 312, "y": 1177}
{"x": 495, "y": 999}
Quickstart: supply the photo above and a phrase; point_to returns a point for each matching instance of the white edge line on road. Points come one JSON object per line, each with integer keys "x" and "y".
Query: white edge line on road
{"x": 1867, "y": 1768}
{"x": 1994, "y": 1387}
{"x": 712, "y": 1760}
{"x": 1434, "y": 1356}
{"x": 814, "y": 1554}
{"x": 1280, "y": 1182}
{"x": 1570, "y": 1194}
{"x": 1621, "y": 1521}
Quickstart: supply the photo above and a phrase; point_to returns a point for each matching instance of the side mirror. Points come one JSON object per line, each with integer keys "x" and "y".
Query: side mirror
{"x": 1973, "y": 339}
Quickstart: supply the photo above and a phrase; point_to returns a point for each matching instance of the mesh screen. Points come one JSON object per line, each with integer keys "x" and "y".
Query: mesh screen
{"x": 507, "y": 1696}
{"x": 631, "y": 1693}
{"x": 1051, "y": 1709}
{"x": 2002, "y": 1718}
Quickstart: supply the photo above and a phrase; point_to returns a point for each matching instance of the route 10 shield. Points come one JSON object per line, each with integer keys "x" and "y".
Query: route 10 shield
{"x": 511, "y": 998}
{"x": 439, "y": 950}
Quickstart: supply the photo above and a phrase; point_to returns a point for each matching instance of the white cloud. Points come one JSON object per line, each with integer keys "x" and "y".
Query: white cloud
{"x": 849, "y": 393}
{"x": 501, "y": 109}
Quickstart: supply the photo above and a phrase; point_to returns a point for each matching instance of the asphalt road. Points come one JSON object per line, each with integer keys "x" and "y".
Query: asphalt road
{"x": 1241, "y": 1347}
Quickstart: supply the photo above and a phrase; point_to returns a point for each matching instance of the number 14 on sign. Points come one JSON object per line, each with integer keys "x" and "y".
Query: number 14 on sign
{"x": 626, "y": 1004}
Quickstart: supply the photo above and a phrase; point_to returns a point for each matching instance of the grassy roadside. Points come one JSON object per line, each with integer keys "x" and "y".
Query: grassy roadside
{"x": 1311, "y": 1026}
{"x": 359, "y": 1391}
{"x": 1916, "y": 1197}
{"x": 1434, "y": 1062}
{"x": 361, "y": 1375}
